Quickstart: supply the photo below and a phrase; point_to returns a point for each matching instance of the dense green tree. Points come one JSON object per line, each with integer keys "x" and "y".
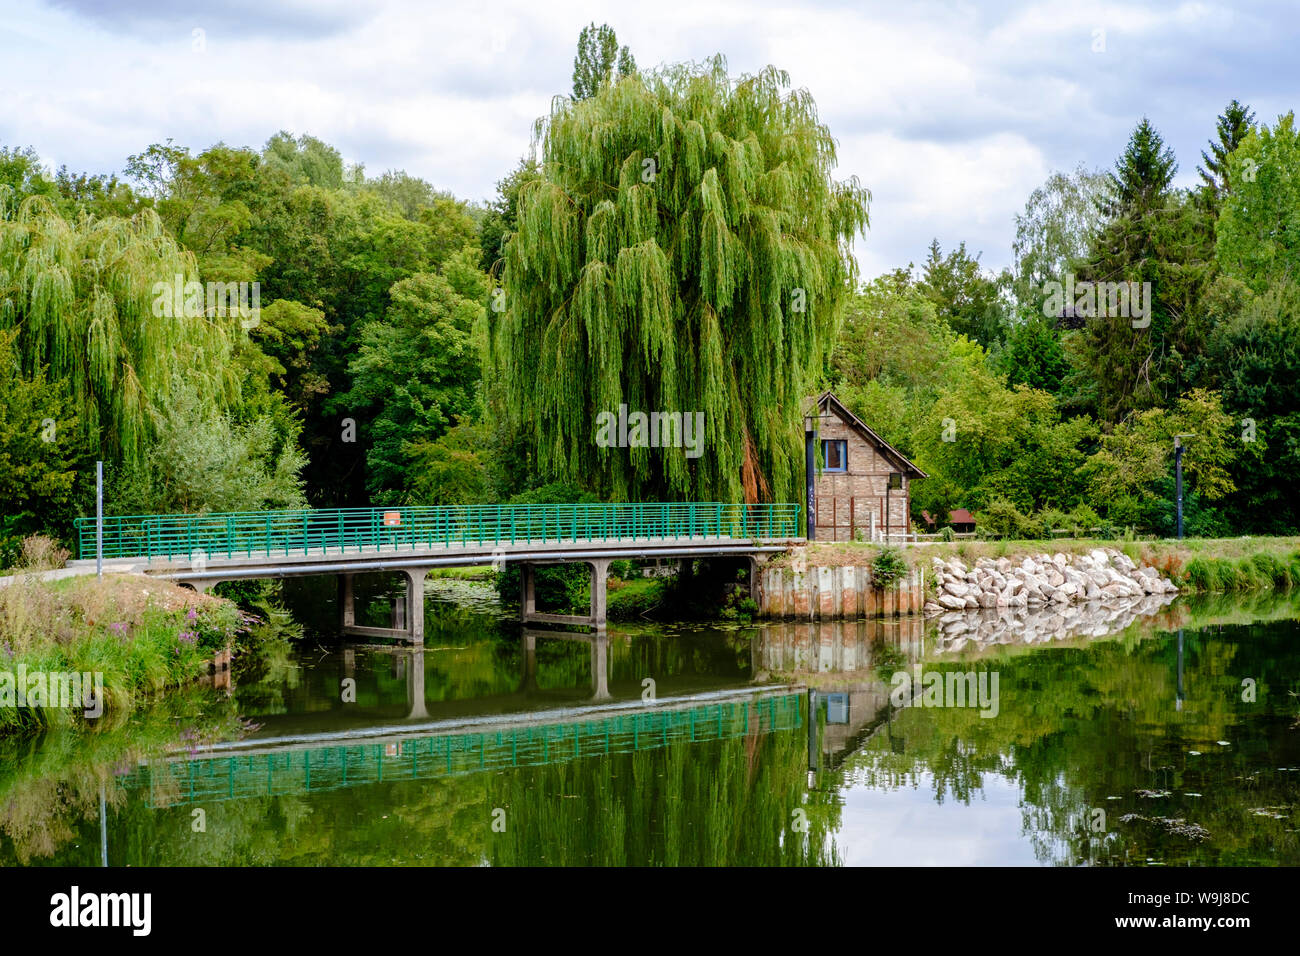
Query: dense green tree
{"x": 203, "y": 460}
{"x": 1156, "y": 241}
{"x": 1142, "y": 175}
{"x": 1136, "y": 455}
{"x": 502, "y": 217}
{"x": 599, "y": 60}
{"x": 685, "y": 250}
{"x": 1253, "y": 356}
{"x": 1033, "y": 355}
{"x": 42, "y": 452}
{"x": 1232, "y": 128}
{"x": 306, "y": 160}
{"x": 1061, "y": 220}
{"x": 83, "y": 298}
{"x": 1257, "y": 236}
{"x": 963, "y": 296}
{"x": 416, "y": 371}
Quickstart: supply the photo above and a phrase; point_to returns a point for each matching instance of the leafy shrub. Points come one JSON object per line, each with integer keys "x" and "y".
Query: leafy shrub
{"x": 887, "y": 567}
{"x": 1002, "y": 519}
{"x": 1083, "y": 519}
{"x": 623, "y": 570}
{"x": 1053, "y": 519}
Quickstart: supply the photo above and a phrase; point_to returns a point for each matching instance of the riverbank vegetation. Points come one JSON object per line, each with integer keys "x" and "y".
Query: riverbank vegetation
{"x": 143, "y": 635}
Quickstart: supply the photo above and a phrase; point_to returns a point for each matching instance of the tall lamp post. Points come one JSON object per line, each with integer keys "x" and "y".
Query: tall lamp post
{"x": 1179, "y": 448}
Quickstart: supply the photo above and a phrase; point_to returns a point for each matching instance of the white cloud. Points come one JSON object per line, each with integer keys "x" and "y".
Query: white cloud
{"x": 951, "y": 113}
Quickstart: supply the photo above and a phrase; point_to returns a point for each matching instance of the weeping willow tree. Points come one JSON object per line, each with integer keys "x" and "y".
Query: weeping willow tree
{"x": 82, "y": 296}
{"x": 684, "y": 250}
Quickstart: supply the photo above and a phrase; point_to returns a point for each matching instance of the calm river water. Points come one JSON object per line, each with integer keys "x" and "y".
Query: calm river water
{"x": 1170, "y": 740}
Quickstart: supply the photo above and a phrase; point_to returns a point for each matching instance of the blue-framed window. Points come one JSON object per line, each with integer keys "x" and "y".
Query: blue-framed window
{"x": 835, "y": 454}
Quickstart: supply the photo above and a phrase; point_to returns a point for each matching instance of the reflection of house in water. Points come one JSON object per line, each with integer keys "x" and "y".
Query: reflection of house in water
{"x": 852, "y": 651}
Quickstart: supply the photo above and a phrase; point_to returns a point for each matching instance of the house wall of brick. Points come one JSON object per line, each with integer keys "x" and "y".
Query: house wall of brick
{"x": 848, "y": 500}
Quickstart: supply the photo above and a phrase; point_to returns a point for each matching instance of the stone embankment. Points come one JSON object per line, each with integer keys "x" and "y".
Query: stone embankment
{"x": 1104, "y": 575}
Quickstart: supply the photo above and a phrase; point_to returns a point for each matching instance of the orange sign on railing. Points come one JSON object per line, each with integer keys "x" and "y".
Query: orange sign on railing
{"x": 392, "y": 519}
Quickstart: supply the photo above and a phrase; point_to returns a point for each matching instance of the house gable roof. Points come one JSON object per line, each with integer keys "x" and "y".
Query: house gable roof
{"x": 827, "y": 402}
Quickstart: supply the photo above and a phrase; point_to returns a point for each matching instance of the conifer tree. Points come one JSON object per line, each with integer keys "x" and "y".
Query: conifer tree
{"x": 1234, "y": 125}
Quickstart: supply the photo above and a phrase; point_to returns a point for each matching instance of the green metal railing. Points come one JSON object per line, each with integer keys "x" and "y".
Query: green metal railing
{"x": 337, "y": 530}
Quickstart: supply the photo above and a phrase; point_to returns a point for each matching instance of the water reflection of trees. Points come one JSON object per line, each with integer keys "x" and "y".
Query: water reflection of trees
{"x": 1086, "y": 728}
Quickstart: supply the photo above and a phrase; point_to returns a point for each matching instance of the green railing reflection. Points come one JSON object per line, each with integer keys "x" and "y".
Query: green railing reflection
{"x": 334, "y": 767}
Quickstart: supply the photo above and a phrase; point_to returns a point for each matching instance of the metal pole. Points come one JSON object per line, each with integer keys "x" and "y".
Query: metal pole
{"x": 810, "y": 475}
{"x": 1178, "y": 705}
{"x": 103, "y": 830}
{"x": 1178, "y": 483}
{"x": 99, "y": 519}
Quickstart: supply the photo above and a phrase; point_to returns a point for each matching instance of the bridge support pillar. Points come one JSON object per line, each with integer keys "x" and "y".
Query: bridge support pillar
{"x": 528, "y": 590}
{"x": 415, "y": 604}
{"x": 599, "y": 591}
{"x": 347, "y": 603}
{"x": 600, "y": 666}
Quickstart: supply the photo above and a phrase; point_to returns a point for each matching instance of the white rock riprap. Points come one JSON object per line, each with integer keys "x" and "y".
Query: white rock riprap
{"x": 1104, "y": 576}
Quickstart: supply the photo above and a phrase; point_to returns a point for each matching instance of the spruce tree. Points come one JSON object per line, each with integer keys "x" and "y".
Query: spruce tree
{"x": 1234, "y": 125}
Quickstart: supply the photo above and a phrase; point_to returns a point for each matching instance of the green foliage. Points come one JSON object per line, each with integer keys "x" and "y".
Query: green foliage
{"x": 41, "y": 452}
{"x": 963, "y": 296}
{"x": 502, "y": 217}
{"x": 81, "y": 295}
{"x": 203, "y": 460}
{"x": 1136, "y": 454}
{"x": 1002, "y": 519}
{"x": 887, "y": 567}
{"x": 1255, "y": 237}
{"x": 598, "y": 59}
{"x": 453, "y": 470}
{"x": 1032, "y": 354}
{"x": 416, "y": 370}
{"x": 1061, "y": 220}
{"x": 684, "y": 250}
{"x": 1234, "y": 124}
{"x": 1156, "y": 236}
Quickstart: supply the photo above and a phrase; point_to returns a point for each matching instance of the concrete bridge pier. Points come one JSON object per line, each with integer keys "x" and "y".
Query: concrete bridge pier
{"x": 600, "y": 666}
{"x": 598, "y": 617}
{"x": 411, "y": 626}
{"x": 415, "y": 684}
{"x": 528, "y": 646}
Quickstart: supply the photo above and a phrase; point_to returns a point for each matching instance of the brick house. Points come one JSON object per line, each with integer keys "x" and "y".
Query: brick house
{"x": 864, "y": 486}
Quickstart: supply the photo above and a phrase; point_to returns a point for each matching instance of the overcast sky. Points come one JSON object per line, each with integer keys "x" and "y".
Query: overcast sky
{"x": 950, "y": 113}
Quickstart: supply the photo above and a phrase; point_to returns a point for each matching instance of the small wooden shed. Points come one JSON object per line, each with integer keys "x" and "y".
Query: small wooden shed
{"x": 863, "y": 488}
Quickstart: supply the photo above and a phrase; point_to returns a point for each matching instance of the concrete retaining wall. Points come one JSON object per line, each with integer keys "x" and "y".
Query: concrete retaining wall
{"x": 825, "y": 594}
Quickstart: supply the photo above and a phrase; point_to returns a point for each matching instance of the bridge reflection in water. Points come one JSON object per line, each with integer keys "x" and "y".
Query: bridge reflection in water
{"x": 301, "y": 767}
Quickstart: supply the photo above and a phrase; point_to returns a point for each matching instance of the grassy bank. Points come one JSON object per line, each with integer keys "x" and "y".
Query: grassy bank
{"x": 143, "y": 635}
{"x": 1200, "y": 565}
